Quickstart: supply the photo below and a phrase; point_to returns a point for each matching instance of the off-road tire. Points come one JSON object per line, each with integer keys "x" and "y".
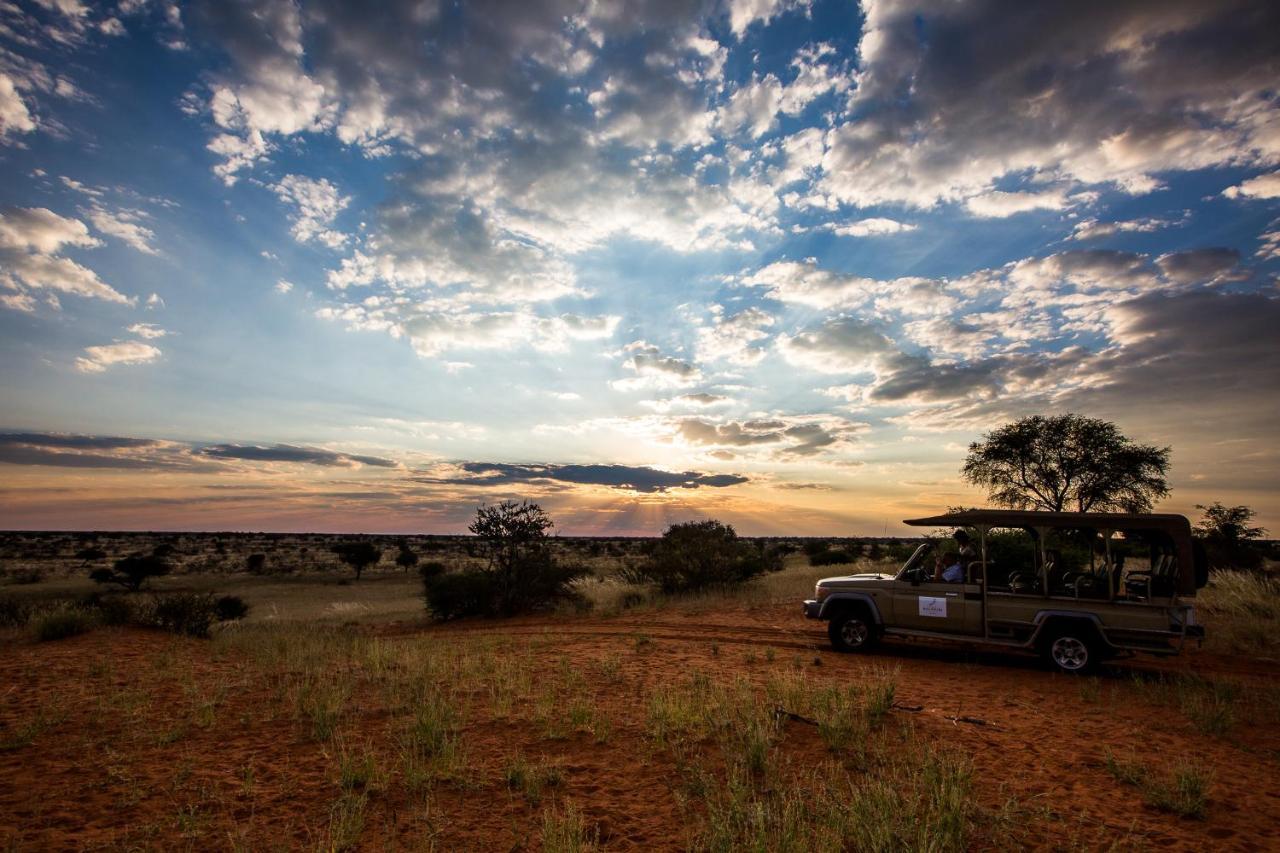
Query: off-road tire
{"x": 852, "y": 631}
{"x": 1072, "y": 649}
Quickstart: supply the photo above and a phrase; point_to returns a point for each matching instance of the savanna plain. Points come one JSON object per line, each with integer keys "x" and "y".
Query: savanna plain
{"x": 334, "y": 714}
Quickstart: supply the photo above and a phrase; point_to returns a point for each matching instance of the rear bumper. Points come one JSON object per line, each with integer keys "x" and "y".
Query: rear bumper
{"x": 812, "y": 609}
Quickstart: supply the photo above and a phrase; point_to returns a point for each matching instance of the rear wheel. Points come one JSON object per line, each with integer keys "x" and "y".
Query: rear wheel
{"x": 852, "y": 631}
{"x": 1072, "y": 649}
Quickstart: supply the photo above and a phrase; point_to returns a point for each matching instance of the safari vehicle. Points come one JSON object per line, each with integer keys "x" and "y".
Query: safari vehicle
{"x": 1075, "y": 587}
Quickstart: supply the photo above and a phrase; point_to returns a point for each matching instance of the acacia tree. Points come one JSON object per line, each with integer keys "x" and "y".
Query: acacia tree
{"x": 132, "y": 572}
{"x": 520, "y": 572}
{"x": 407, "y": 558}
{"x": 1067, "y": 462}
{"x": 358, "y": 555}
{"x": 1228, "y": 537}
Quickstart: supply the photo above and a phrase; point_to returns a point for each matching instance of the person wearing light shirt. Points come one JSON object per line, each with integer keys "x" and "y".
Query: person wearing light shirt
{"x": 947, "y": 568}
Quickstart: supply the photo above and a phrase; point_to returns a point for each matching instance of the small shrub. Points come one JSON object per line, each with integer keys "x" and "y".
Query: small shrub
{"x": 701, "y": 554}
{"x": 255, "y": 564}
{"x": 116, "y": 609}
{"x": 431, "y": 569}
{"x": 189, "y": 613}
{"x": 830, "y": 558}
{"x": 132, "y": 572}
{"x": 451, "y": 596}
{"x": 61, "y": 623}
{"x": 26, "y": 576}
{"x": 229, "y": 608}
{"x": 13, "y": 612}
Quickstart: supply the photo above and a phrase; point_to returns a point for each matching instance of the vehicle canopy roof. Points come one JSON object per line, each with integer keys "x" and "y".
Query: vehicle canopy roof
{"x": 1176, "y": 527}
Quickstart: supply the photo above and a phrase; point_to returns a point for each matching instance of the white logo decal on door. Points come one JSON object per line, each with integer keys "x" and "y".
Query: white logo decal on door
{"x": 933, "y": 606}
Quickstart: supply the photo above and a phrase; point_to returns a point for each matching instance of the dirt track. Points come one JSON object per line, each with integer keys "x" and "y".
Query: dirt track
{"x": 103, "y": 774}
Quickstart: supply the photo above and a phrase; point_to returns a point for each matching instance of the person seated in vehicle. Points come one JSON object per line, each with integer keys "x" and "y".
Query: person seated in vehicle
{"x": 965, "y": 546}
{"x": 947, "y": 568}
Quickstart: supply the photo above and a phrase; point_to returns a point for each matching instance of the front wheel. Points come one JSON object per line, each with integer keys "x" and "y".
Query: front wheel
{"x": 1072, "y": 651}
{"x": 851, "y": 632}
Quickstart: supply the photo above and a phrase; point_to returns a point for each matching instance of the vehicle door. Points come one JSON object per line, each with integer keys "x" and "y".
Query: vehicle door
{"x": 952, "y": 608}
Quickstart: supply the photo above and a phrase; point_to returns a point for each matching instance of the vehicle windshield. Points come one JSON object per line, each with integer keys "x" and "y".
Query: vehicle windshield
{"x": 915, "y": 561}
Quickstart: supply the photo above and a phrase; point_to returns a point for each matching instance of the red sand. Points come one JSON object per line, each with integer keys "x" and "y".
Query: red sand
{"x": 89, "y": 780}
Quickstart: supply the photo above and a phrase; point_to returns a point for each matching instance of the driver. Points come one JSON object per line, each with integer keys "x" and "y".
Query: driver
{"x": 947, "y": 568}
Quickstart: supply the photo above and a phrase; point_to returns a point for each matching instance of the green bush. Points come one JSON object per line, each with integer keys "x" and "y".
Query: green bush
{"x": 450, "y": 596}
{"x": 132, "y": 572}
{"x": 701, "y": 554}
{"x": 14, "y": 613}
{"x": 229, "y": 608}
{"x": 115, "y": 609}
{"x": 26, "y": 576}
{"x": 189, "y": 613}
{"x": 431, "y": 568}
{"x": 830, "y": 558}
{"x": 521, "y": 573}
{"x": 62, "y": 622}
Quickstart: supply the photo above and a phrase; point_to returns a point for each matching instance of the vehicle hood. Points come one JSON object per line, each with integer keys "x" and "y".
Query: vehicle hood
{"x": 866, "y": 577}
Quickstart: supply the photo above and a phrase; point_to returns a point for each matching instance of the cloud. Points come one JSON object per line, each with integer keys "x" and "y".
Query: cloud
{"x": 15, "y": 118}
{"x": 735, "y": 338}
{"x": 29, "y": 241}
{"x": 1263, "y": 186}
{"x": 89, "y": 451}
{"x": 1092, "y": 229}
{"x": 624, "y": 477}
{"x": 41, "y": 231}
{"x": 998, "y": 204}
{"x": 316, "y": 203}
{"x": 744, "y": 13}
{"x": 63, "y": 450}
{"x": 873, "y": 227}
{"x": 294, "y": 454}
{"x": 839, "y": 345}
{"x": 149, "y": 331}
{"x": 283, "y": 286}
{"x": 98, "y": 358}
{"x": 124, "y": 225}
{"x": 783, "y": 436}
{"x": 1118, "y": 96}
{"x": 654, "y": 370}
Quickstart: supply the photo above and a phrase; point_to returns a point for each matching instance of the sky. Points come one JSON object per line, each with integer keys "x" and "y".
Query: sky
{"x": 332, "y": 266}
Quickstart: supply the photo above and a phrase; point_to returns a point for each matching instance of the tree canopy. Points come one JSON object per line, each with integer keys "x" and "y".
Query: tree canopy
{"x": 1229, "y": 537}
{"x": 1067, "y": 463}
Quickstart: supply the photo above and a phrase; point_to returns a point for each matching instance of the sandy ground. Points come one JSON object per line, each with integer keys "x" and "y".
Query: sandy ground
{"x": 116, "y": 761}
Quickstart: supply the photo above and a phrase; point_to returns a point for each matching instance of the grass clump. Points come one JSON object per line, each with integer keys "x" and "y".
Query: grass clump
{"x": 1183, "y": 791}
{"x": 530, "y": 778}
{"x": 1241, "y": 611}
{"x": 920, "y": 802}
{"x": 61, "y": 622}
{"x": 565, "y": 831}
{"x": 346, "y": 823}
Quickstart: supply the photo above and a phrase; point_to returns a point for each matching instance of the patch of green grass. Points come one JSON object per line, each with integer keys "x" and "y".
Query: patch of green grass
{"x": 921, "y": 801}
{"x": 346, "y": 823}
{"x": 565, "y": 831}
{"x": 1183, "y": 791}
{"x": 359, "y": 771}
{"x": 60, "y": 623}
{"x": 530, "y": 779}
{"x": 24, "y": 734}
